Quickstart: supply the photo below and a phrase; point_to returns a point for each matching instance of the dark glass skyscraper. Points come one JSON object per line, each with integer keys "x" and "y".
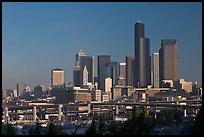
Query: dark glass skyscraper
{"x": 129, "y": 70}
{"x": 87, "y": 61}
{"x": 142, "y": 71}
{"x": 168, "y": 60}
{"x": 103, "y": 61}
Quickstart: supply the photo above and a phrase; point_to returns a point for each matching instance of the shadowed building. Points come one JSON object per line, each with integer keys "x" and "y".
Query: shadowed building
{"x": 142, "y": 71}
{"x": 129, "y": 70}
{"x": 19, "y": 88}
{"x": 103, "y": 60}
{"x": 87, "y": 61}
{"x": 76, "y": 76}
{"x": 168, "y": 60}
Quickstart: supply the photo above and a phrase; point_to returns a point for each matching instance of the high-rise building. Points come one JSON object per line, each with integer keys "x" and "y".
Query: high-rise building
{"x": 122, "y": 74}
{"x": 142, "y": 71}
{"x": 87, "y": 61}
{"x": 57, "y": 78}
{"x": 168, "y": 60}
{"x": 129, "y": 70}
{"x": 155, "y": 70}
{"x": 78, "y": 56}
{"x": 122, "y": 69}
{"x": 85, "y": 76}
{"x": 103, "y": 60}
{"x": 108, "y": 84}
{"x": 19, "y": 88}
{"x": 76, "y": 76}
{"x": 113, "y": 72}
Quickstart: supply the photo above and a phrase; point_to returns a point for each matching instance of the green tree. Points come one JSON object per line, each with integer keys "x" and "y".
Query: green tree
{"x": 139, "y": 123}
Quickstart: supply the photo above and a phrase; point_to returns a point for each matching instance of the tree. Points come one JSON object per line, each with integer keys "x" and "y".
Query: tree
{"x": 92, "y": 130}
{"x": 139, "y": 123}
{"x": 8, "y": 130}
{"x": 53, "y": 130}
{"x": 197, "y": 127}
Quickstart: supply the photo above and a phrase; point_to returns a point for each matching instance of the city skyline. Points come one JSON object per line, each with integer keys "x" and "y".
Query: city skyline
{"x": 54, "y": 40}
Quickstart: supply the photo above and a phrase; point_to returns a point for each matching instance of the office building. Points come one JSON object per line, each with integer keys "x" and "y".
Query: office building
{"x": 85, "y": 76}
{"x": 76, "y": 76}
{"x": 122, "y": 69}
{"x": 168, "y": 60}
{"x": 78, "y": 56}
{"x": 87, "y": 61}
{"x": 103, "y": 73}
{"x": 19, "y": 88}
{"x": 108, "y": 84}
{"x": 155, "y": 70}
{"x": 57, "y": 78}
{"x": 142, "y": 70}
{"x": 113, "y": 72}
{"x": 122, "y": 74}
{"x": 129, "y": 70}
{"x": 96, "y": 95}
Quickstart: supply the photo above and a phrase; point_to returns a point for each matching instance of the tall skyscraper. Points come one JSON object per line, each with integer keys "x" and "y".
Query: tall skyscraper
{"x": 122, "y": 69}
{"x": 57, "y": 78}
{"x": 87, "y": 61}
{"x": 142, "y": 71}
{"x": 76, "y": 76}
{"x": 168, "y": 60}
{"x": 19, "y": 88}
{"x": 103, "y": 73}
{"x": 85, "y": 76}
{"x": 78, "y": 56}
{"x": 122, "y": 75}
{"x": 155, "y": 70}
{"x": 108, "y": 84}
{"x": 129, "y": 70}
{"x": 113, "y": 72}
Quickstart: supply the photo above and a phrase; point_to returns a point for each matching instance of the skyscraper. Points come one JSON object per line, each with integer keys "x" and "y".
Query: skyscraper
{"x": 57, "y": 78}
{"x": 155, "y": 70}
{"x": 78, "y": 56}
{"x": 113, "y": 72}
{"x": 142, "y": 71}
{"x": 19, "y": 88}
{"x": 76, "y": 76}
{"x": 122, "y": 69}
{"x": 85, "y": 76}
{"x": 103, "y": 60}
{"x": 168, "y": 60}
{"x": 129, "y": 70}
{"x": 87, "y": 61}
{"x": 122, "y": 75}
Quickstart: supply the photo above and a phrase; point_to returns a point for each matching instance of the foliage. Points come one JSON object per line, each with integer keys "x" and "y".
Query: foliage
{"x": 7, "y": 129}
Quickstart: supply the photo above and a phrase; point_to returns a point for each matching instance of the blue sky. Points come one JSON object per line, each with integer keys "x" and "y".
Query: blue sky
{"x": 38, "y": 37}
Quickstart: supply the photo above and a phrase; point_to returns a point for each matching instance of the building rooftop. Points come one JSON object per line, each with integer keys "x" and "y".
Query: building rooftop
{"x": 168, "y": 41}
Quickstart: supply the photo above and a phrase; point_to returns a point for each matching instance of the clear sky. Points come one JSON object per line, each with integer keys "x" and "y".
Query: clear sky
{"x": 38, "y": 37}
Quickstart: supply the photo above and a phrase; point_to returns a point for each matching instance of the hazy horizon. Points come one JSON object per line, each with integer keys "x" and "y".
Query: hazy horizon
{"x": 38, "y": 37}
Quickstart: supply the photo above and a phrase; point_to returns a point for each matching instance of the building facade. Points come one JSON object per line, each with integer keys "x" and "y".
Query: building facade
{"x": 76, "y": 76}
{"x": 103, "y": 60}
{"x": 57, "y": 78}
{"x": 168, "y": 60}
{"x": 155, "y": 70}
{"x": 129, "y": 70}
{"x": 87, "y": 61}
{"x": 142, "y": 70}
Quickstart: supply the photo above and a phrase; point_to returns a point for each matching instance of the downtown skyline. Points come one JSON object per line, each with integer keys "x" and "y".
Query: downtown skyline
{"x": 36, "y": 41}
